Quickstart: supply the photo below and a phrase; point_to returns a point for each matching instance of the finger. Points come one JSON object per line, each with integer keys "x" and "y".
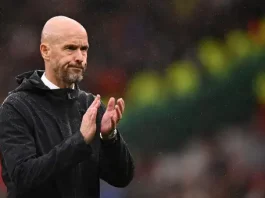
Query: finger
{"x": 93, "y": 114}
{"x": 97, "y": 105}
{"x": 94, "y": 103}
{"x": 120, "y": 102}
{"x": 118, "y": 113}
{"x": 113, "y": 122}
{"x": 111, "y": 104}
{"x": 97, "y": 98}
{"x": 123, "y": 102}
{"x": 90, "y": 113}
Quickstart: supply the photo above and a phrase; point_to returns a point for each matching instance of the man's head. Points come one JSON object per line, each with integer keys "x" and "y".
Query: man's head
{"x": 64, "y": 46}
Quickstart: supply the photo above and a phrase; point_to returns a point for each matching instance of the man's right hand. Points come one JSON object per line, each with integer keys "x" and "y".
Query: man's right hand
{"x": 88, "y": 125}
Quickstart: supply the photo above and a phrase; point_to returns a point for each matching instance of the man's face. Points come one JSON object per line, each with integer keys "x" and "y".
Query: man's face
{"x": 68, "y": 58}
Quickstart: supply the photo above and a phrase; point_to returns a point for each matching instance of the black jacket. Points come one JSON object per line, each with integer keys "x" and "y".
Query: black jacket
{"x": 43, "y": 151}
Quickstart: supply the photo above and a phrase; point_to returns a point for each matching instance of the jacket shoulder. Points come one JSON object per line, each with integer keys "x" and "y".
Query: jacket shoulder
{"x": 15, "y": 98}
{"x": 13, "y": 106}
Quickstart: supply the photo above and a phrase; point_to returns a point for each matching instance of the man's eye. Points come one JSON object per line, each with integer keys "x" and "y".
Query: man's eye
{"x": 71, "y": 48}
{"x": 84, "y": 48}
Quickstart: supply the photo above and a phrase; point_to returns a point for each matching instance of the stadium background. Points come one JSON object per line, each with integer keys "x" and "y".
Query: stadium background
{"x": 192, "y": 75}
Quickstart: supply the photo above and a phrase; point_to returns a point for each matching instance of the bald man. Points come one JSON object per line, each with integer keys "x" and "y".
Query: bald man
{"x": 55, "y": 139}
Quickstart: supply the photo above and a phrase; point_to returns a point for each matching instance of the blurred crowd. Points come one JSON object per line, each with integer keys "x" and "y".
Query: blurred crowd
{"x": 140, "y": 49}
{"x": 229, "y": 164}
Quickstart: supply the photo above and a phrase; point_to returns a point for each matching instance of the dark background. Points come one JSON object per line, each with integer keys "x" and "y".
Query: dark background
{"x": 192, "y": 76}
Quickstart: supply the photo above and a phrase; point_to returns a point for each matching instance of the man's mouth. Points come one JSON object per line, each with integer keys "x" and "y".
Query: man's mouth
{"x": 76, "y": 67}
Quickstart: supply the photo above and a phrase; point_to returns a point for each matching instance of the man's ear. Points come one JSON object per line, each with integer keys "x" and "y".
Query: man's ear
{"x": 45, "y": 51}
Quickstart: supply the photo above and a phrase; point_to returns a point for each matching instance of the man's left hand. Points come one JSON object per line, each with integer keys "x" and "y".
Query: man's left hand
{"x": 112, "y": 116}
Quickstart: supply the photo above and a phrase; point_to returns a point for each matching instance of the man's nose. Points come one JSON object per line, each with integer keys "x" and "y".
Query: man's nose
{"x": 79, "y": 57}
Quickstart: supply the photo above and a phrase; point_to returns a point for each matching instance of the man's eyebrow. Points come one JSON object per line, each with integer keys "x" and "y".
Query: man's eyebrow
{"x": 86, "y": 46}
{"x": 76, "y": 45}
{"x": 70, "y": 45}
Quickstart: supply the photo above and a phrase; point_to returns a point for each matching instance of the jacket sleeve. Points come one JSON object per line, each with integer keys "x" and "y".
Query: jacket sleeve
{"x": 116, "y": 162}
{"x": 25, "y": 168}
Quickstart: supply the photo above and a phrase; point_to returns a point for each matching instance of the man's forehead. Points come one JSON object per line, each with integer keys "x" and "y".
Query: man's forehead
{"x": 71, "y": 39}
{"x": 76, "y": 42}
{"x": 76, "y": 39}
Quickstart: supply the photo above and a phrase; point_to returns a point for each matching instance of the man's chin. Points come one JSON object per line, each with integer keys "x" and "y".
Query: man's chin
{"x": 75, "y": 79}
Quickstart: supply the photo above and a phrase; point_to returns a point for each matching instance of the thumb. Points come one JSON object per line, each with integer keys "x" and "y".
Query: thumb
{"x": 111, "y": 104}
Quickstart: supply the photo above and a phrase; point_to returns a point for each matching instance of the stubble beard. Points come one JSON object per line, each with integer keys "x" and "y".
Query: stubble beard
{"x": 67, "y": 77}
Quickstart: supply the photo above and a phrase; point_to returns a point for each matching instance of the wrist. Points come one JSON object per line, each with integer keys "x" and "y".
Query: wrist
{"x": 110, "y": 136}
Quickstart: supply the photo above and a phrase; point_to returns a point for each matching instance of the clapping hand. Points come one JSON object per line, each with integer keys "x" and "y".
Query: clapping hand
{"x": 112, "y": 116}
